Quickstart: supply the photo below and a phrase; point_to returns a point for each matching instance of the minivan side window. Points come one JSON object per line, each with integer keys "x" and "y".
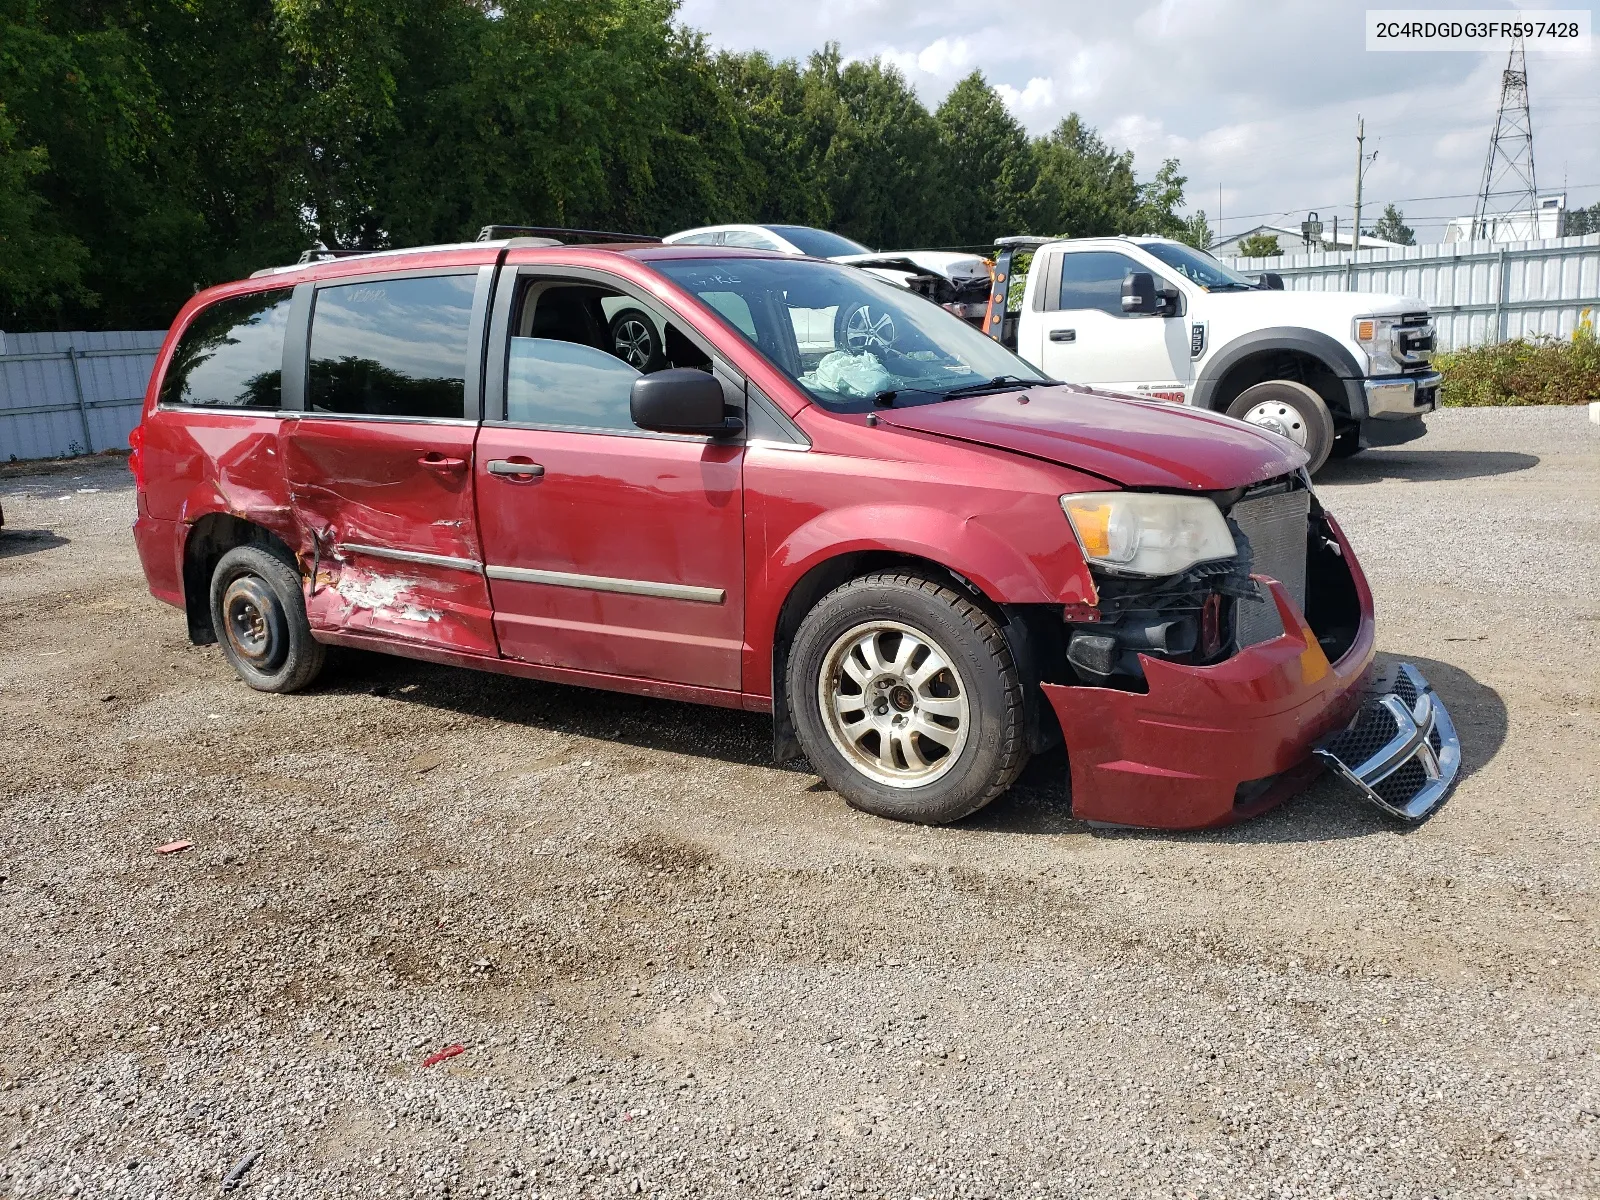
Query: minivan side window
{"x": 391, "y": 347}
{"x": 1093, "y": 279}
{"x": 231, "y": 355}
{"x": 565, "y": 367}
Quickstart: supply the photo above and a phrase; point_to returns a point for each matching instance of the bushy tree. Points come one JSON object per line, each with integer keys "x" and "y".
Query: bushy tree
{"x": 1583, "y": 220}
{"x": 1392, "y": 227}
{"x": 150, "y": 149}
{"x": 1260, "y": 245}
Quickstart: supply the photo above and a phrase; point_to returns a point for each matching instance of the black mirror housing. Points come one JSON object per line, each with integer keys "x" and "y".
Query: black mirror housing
{"x": 1139, "y": 293}
{"x": 681, "y": 400}
{"x": 1272, "y": 281}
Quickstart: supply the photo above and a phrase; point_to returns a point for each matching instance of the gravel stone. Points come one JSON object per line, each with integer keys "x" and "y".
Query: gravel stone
{"x": 678, "y": 970}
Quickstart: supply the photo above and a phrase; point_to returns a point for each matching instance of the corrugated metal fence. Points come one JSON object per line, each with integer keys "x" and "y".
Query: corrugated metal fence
{"x": 1479, "y": 292}
{"x": 72, "y": 393}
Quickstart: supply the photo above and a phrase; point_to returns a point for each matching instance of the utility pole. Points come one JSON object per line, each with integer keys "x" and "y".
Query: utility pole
{"x": 1361, "y": 136}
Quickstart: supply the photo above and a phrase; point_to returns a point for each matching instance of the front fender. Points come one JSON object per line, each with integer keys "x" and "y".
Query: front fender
{"x": 1035, "y": 560}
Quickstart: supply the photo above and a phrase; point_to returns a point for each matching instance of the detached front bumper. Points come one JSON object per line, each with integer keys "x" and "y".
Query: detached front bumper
{"x": 1207, "y": 746}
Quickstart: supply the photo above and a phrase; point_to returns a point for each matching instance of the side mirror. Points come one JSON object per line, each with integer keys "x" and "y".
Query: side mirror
{"x": 1139, "y": 293}
{"x": 681, "y": 400}
{"x": 1272, "y": 281}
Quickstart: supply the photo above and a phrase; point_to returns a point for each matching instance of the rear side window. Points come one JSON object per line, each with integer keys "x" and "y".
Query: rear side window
{"x": 391, "y": 347}
{"x": 231, "y": 355}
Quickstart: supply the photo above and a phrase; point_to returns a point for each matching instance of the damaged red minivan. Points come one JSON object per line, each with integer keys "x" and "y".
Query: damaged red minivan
{"x": 810, "y": 493}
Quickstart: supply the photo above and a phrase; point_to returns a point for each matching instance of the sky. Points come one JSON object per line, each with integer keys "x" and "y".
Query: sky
{"x": 1258, "y": 99}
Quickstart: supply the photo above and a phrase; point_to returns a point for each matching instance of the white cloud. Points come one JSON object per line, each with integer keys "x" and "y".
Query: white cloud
{"x": 1038, "y": 95}
{"x": 946, "y": 58}
{"x": 1259, "y": 98}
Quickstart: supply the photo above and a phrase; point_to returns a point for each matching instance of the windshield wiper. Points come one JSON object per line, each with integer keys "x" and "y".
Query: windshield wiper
{"x": 1231, "y": 285}
{"x": 992, "y": 385}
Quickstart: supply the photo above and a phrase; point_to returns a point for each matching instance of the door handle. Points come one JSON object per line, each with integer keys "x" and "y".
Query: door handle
{"x": 434, "y": 461}
{"x": 515, "y": 471}
{"x": 1063, "y": 335}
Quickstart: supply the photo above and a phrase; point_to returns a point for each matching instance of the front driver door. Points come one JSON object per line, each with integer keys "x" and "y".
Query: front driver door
{"x": 379, "y": 464}
{"x": 1089, "y": 339}
{"x": 608, "y": 549}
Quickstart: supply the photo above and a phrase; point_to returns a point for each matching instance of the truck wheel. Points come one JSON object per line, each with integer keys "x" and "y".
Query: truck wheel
{"x": 906, "y": 700}
{"x": 1346, "y": 443}
{"x": 1291, "y": 410}
{"x": 259, "y": 615}
{"x": 636, "y": 341}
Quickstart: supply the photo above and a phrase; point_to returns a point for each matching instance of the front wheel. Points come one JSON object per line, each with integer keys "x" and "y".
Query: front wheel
{"x": 906, "y": 700}
{"x": 1290, "y": 410}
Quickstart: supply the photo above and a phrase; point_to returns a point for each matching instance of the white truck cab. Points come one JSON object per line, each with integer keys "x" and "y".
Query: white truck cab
{"x": 1332, "y": 371}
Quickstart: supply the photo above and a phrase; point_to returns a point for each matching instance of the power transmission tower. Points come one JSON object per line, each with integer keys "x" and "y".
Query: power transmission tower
{"x": 1508, "y": 189}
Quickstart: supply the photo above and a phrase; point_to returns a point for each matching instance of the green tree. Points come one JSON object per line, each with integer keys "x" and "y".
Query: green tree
{"x": 988, "y": 162}
{"x": 1260, "y": 245}
{"x": 1197, "y": 231}
{"x": 1392, "y": 227}
{"x": 41, "y": 268}
{"x": 1583, "y": 220}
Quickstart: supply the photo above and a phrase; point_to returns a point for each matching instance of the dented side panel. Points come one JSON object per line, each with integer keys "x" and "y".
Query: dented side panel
{"x": 388, "y": 537}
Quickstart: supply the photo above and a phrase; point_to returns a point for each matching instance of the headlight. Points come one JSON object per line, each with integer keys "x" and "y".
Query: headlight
{"x": 1375, "y": 335}
{"x": 1148, "y": 533}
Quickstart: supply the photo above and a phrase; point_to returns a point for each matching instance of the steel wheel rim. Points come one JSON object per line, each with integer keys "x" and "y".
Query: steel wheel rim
{"x": 1280, "y": 418}
{"x": 863, "y": 330}
{"x": 634, "y": 342}
{"x": 247, "y": 618}
{"x": 893, "y": 703}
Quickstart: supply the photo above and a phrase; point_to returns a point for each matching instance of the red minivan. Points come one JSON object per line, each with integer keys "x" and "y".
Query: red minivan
{"x": 770, "y": 483}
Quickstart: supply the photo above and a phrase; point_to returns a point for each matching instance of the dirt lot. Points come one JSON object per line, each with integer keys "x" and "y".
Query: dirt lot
{"x": 679, "y": 970}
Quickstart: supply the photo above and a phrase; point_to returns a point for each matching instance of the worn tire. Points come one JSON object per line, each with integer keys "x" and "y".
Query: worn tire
{"x": 1346, "y": 442}
{"x": 634, "y": 338}
{"x": 1298, "y": 408}
{"x": 259, "y": 614}
{"x": 994, "y": 749}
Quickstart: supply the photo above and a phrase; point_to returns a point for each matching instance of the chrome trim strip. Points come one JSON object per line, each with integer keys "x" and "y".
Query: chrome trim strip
{"x": 608, "y": 583}
{"x": 411, "y": 556}
{"x": 768, "y": 444}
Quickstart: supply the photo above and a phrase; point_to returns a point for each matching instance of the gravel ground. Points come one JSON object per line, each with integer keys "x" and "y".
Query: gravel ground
{"x": 676, "y": 969}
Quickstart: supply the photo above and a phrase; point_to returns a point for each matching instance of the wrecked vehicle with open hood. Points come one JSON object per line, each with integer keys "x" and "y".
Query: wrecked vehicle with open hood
{"x": 924, "y": 558}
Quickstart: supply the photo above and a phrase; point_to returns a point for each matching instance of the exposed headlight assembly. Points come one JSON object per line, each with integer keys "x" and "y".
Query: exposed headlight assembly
{"x": 1148, "y": 533}
{"x": 1375, "y": 335}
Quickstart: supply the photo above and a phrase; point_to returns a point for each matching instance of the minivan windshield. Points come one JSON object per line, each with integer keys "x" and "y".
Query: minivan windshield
{"x": 1199, "y": 267}
{"x": 851, "y": 340}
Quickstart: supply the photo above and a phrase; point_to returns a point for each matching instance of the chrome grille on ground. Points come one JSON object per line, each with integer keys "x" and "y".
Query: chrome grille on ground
{"x": 1401, "y": 751}
{"x": 1275, "y": 527}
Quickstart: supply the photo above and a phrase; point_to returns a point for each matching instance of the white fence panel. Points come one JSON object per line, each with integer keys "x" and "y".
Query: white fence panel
{"x": 1478, "y": 292}
{"x": 72, "y": 393}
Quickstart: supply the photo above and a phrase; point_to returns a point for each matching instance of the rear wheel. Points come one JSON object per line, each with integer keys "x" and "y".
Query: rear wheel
{"x": 1290, "y": 410}
{"x": 259, "y": 615}
{"x": 906, "y": 700}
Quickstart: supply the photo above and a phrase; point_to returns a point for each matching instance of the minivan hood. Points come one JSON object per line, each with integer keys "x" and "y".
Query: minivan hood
{"x": 1133, "y": 442}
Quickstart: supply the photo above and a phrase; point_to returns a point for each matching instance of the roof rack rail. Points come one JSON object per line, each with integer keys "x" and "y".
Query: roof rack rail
{"x": 492, "y": 233}
{"x": 318, "y": 253}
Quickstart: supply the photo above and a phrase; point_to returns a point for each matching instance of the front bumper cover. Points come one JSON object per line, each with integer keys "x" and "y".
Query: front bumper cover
{"x": 1208, "y": 746}
{"x": 1200, "y": 747}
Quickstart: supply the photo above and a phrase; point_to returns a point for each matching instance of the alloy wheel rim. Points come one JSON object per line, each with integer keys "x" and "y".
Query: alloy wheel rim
{"x": 635, "y": 343}
{"x": 1282, "y": 419}
{"x": 894, "y": 705}
{"x": 866, "y": 330}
